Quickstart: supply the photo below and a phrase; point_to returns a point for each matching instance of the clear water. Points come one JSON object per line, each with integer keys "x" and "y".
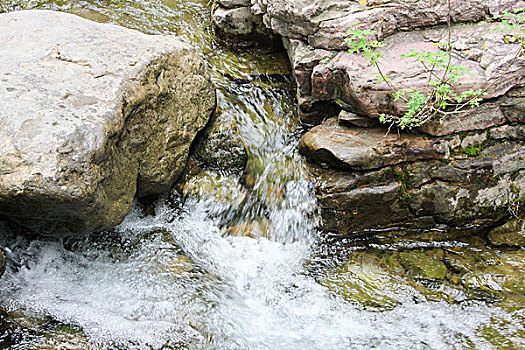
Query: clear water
{"x": 179, "y": 280}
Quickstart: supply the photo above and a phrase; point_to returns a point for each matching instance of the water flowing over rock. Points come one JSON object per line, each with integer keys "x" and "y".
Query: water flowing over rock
{"x": 369, "y": 181}
{"x": 221, "y": 146}
{"x": 92, "y": 115}
{"x": 239, "y": 263}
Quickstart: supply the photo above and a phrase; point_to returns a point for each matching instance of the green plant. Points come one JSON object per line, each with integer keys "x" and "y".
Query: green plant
{"x": 438, "y": 99}
{"x": 472, "y": 151}
{"x": 405, "y": 179}
{"x": 513, "y": 21}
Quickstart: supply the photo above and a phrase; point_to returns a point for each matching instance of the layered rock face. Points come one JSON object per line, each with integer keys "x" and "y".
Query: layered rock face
{"x": 92, "y": 115}
{"x": 369, "y": 181}
{"x": 329, "y": 78}
{"x": 467, "y": 170}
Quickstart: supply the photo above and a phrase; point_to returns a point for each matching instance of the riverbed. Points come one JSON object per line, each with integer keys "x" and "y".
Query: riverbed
{"x": 237, "y": 261}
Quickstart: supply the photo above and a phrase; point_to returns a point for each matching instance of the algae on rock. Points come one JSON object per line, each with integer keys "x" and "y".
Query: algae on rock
{"x": 384, "y": 271}
{"x": 97, "y": 114}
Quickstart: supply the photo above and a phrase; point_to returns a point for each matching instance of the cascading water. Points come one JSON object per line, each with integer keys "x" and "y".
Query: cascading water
{"x": 180, "y": 279}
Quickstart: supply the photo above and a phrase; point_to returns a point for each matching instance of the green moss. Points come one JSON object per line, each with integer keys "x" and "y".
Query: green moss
{"x": 471, "y": 151}
{"x": 501, "y": 334}
{"x": 405, "y": 179}
{"x": 36, "y": 332}
{"x": 143, "y": 156}
{"x": 364, "y": 281}
{"x": 515, "y": 189}
{"x": 423, "y": 265}
{"x": 378, "y": 279}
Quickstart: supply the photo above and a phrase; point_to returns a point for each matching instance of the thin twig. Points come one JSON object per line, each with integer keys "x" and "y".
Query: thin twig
{"x": 388, "y": 82}
{"x": 449, "y": 41}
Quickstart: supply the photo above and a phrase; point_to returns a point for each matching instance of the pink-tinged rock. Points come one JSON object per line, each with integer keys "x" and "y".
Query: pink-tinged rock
{"x": 324, "y": 23}
{"x": 402, "y": 15}
{"x": 349, "y": 78}
{"x": 317, "y": 28}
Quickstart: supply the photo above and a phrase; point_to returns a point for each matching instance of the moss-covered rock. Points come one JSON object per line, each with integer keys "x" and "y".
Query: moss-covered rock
{"x": 365, "y": 281}
{"x": 252, "y": 229}
{"x": 18, "y": 327}
{"x": 423, "y": 264}
{"x": 221, "y": 146}
{"x": 221, "y": 189}
{"x": 511, "y": 233}
{"x": 459, "y": 270}
{"x": 502, "y": 334}
{"x": 461, "y": 191}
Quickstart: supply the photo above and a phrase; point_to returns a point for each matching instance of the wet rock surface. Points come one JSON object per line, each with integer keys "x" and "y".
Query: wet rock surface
{"x": 470, "y": 176}
{"x": 221, "y": 146}
{"x": 511, "y": 233}
{"x": 155, "y": 285}
{"x": 3, "y": 262}
{"x": 24, "y": 328}
{"x": 40, "y": 332}
{"x": 373, "y": 181}
{"x": 94, "y": 114}
{"x": 223, "y": 190}
{"x": 390, "y": 268}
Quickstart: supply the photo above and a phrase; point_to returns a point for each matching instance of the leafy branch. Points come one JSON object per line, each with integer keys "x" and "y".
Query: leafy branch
{"x": 438, "y": 99}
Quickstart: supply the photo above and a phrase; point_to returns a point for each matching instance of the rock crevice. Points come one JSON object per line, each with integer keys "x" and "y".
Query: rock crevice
{"x": 466, "y": 170}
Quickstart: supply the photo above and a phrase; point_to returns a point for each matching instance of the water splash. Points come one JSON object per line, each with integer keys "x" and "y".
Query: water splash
{"x": 179, "y": 279}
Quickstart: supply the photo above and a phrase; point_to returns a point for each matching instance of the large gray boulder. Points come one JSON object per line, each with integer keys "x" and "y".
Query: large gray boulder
{"x": 92, "y": 114}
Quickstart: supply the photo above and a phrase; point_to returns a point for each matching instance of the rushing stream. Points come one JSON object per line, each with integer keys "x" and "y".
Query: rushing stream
{"x": 234, "y": 263}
